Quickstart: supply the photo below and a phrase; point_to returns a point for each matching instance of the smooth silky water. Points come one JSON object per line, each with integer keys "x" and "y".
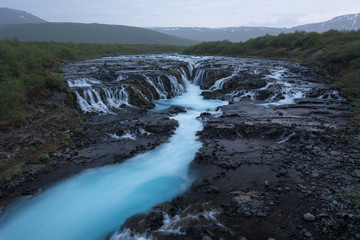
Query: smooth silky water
{"x": 96, "y": 202}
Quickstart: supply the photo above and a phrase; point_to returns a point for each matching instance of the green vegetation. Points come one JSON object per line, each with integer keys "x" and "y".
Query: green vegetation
{"x": 30, "y": 71}
{"x": 335, "y": 53}
{"x": 89, "y": 33}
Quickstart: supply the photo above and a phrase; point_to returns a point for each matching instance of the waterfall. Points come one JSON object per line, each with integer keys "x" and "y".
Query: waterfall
{"x": 220, "y": 83}
{"x": 102, "y": 99}
{"x": 176, "y": 88}
{"x": 83, "y": 82}
{"x": 190, "y": 67}
{"x": 199, "y": 77}
{"x": 160, "y": 84}
{"x": 162, "y": 94}
{"x": 94, "y": 96}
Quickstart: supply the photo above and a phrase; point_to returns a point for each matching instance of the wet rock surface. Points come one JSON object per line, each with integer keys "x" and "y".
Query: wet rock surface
{"x": 269, "y": 169}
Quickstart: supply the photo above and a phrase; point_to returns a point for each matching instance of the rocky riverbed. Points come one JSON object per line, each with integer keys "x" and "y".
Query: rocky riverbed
{"x": 280, "y": 161}
{"x": 269, "y": 169}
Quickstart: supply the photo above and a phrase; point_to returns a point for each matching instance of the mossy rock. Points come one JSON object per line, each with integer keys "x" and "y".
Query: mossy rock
{"x": 44, "y": 157}
{"x": 136, "y": 100}
{"x": 244, "y": 83}
{"x": 177, "y": 74}
{"x": 144, "y": 87}
{"x": 212, "y": 77}
{"x": 167, "y": 83}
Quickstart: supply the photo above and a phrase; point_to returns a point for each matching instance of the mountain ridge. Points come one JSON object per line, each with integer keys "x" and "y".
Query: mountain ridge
{"x": 27, "y": 27}
{"x": 89, "y": 33}
{"x": 13, "y": 16}
{"x": 347, "y": 22}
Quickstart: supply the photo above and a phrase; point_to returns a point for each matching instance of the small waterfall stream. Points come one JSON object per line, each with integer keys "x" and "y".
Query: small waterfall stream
{"x": 96, "y": 202}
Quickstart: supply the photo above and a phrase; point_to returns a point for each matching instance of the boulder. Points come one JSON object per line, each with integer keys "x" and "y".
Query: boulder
{"x": 176, "y": 109}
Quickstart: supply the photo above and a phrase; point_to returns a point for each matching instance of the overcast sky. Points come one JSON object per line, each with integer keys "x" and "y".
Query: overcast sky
{"x": 187, "y": 13}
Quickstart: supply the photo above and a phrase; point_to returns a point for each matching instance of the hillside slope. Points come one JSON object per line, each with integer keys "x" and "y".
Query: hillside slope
{"x": 89, "y": 33}
{"x": 12, "y": 16}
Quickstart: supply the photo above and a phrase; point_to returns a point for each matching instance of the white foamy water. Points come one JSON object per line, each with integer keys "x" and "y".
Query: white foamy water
{"x": 284, "y": 91}
{"x": 171, "y": 225}
{"x": 102, "y": 100}
{"x": 125, "y": 136}
{"x": 83, "y": 82}
{"x": 290, "y": 91}
{"x": 190, "y": 99}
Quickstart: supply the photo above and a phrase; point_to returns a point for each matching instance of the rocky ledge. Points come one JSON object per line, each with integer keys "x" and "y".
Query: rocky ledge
{"x": 267, "y": 171}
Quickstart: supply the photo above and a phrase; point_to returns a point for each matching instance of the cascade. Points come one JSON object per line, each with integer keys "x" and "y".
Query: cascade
{"x": 219, "y": 83}
{"x": 94, "y": 96}
{"x": 199, "y": 77}
{"x": 102, "y": 99}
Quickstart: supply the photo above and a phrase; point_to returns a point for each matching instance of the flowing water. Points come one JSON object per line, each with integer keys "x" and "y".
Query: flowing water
{"x": 96, "y": 202}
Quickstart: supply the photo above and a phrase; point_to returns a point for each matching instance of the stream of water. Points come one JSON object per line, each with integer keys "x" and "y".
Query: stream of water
{"x": 96, "y": 202}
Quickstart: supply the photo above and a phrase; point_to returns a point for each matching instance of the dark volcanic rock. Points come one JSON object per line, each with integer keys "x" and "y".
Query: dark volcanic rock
{"x": 264, "y": 164}
{"x": 176, "y": 109}
{"x": 245, "y": 82}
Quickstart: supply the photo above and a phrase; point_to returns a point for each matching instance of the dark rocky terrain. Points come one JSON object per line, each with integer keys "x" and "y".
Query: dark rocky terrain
{"x": 280, "y": 161}
{"x": 97, "y": 142}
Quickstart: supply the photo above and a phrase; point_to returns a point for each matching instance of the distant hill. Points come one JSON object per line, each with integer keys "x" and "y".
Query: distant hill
{"x": 89, "y": 33}
{"x": 236, "y": 34}
{"x": 12, "y": 16}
